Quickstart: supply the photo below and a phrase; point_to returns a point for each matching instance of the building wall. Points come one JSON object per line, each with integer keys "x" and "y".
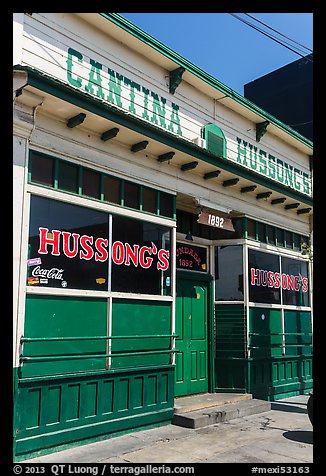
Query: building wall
{"x": 127, "y": 380}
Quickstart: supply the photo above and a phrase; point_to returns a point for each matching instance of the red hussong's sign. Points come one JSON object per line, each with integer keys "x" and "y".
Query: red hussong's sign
{"x": 271, "y": 279}
{"x": 85, "y": 247}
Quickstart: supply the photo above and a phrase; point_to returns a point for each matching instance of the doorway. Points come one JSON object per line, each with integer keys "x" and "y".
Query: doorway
{"x": 192, "y": 311}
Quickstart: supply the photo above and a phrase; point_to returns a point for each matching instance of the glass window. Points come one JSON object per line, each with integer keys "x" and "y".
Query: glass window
{"x": 288, "y": 239}
{"x": 112, "y": 189}
{"x": 271, "y": 234}
{"x": 261, "y": 230}
{"x": 91, "y": 183}
{"x": 68, "y": 177}
{"x": 251, "y": 224}
{"x": 67, "y": 246}
{"x": 294, "y": 280}
{"x": 131, "y": 195}
{"x": 42, "y": 170}
{"x": 264, "y": 277}
{"x": 192, "y": 258}
{"x": 149, "y": 200}
{"x": 280, "y": 236}
{"x": 140, "y": 257}
{"x": 228, "y": 273}
{"x": 166, "y": 204}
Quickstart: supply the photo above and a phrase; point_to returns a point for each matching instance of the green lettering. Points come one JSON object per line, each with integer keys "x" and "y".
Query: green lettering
{"x": 95, "y": 70}
{"x": 297, "y": 183}
{"x": 115, "y": 87}
{"x": 241, "y": 150}
{"x": 132, "y": 85}
{"x": 271, "y": 166}
{"x": 158, "y": 108}
{"x": 306, "y": 183}
{"x": 288, "y": 174}
{"x": 174, "y": 119}
{"x": 263, "y": 164}
{"x": 145, "y": 111}
{"x": 253, "y": 156}
{"x": 245, "y": 156}
{"x": 280, "y": 166}
{"x": 73, "y": 53}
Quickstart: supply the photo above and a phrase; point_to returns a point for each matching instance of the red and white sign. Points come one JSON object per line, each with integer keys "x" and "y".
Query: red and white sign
{"x": 271, "y": 279}
{"x": 87, "y": 248}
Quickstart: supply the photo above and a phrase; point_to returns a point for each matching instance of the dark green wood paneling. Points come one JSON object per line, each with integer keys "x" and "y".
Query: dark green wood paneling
{"x": 65, "y": 410}
{"x": 231, "y": 343}
{"x": 56, "y": 316}
{"x": 267, "y": 374}
{"x": 136, "y": 317}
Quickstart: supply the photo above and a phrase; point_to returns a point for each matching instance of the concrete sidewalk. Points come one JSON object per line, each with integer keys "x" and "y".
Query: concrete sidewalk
{"x": 280, "y": 435}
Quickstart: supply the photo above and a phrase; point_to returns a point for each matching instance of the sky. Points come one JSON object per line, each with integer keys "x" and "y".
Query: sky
{"x": 223, "y": 46}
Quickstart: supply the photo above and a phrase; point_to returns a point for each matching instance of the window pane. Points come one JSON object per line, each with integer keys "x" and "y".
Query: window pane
{"x": 280, "y": 236}
{"x": 42, "y": 170}
{"x": 149, "y": 200}
{"x": 68, "y": 177}
{"x": 140, "y": 257}
{"x": 228, "y": 273}
{"x": 68, "y": 246}
{"x": 251, "y": 229}
{"x": 192, "y": 258}
{"x": 261, "y": 228}
{"x": 295, "y": 286}
{"x": 131, "y": 195}
{"x": 112, "y": 188}
{"x": 264, "y": 277}
{"x": 288, "y": 239}
{"x": 271, "y": 234}
{"x": 166, "y": 204}
{"x": 91, "y": 183}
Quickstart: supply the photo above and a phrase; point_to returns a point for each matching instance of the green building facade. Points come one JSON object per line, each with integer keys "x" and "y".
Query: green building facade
{"x": 158, "y": 249}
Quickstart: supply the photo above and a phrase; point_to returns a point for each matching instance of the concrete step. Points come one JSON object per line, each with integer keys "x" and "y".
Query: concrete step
{"x": 200, "y": 401}
{"x": 220, "y": 413}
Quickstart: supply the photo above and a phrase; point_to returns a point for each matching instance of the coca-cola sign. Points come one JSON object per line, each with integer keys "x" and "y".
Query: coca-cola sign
{"x": 53, "y": 273}
{"x": 80, "y": 248}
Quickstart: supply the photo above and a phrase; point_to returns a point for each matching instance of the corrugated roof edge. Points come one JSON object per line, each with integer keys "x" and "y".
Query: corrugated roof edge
{"x": 209, "y": 79}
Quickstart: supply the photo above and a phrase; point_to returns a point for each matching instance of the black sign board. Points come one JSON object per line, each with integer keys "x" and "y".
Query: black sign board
{"x": 192, "y": 258}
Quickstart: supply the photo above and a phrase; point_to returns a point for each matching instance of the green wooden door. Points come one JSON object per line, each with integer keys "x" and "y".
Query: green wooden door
{"x": 191, "y": 375}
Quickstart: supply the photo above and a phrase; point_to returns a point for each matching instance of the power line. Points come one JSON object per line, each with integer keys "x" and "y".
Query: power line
{"x": 282, "y": 43}
{"x": 278, "y": 32}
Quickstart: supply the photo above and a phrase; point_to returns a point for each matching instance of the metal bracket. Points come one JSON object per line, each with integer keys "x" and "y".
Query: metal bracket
{"x": 261, "y": 128}
{"x": 175, "y": 78}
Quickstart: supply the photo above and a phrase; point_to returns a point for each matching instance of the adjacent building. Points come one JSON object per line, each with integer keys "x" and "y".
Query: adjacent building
{"x": 159, "y": 218}
{"x": 287, "y": 93}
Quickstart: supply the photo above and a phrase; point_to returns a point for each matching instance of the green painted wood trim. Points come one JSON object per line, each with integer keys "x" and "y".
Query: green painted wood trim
{"x": 71, "y": 95}
{"x": 206, "y": 77}
{"x": 81, "y": 435}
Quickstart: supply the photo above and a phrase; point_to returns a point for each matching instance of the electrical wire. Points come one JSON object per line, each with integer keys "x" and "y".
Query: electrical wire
{"x": 276, "y": 31}
{"x": 282, "y": 43}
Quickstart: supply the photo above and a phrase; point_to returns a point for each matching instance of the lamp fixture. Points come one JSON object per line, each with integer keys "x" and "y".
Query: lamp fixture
{"x": 189, "y": 166}
{"x": 109, "y": 134}
{"x": 250, "y": 188}
{"x": 76, "y": 120}
{"x": 278, "y": 200}
{"x": 213, "y": 174}
{"x": 139, "y": 146}
{"x": 189, "y": 236}
{"x": 263, "y": 195}
{"x": 165, "y": 157}
{"x": 229, "y": 183}
{"x": 290, "y": 206}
